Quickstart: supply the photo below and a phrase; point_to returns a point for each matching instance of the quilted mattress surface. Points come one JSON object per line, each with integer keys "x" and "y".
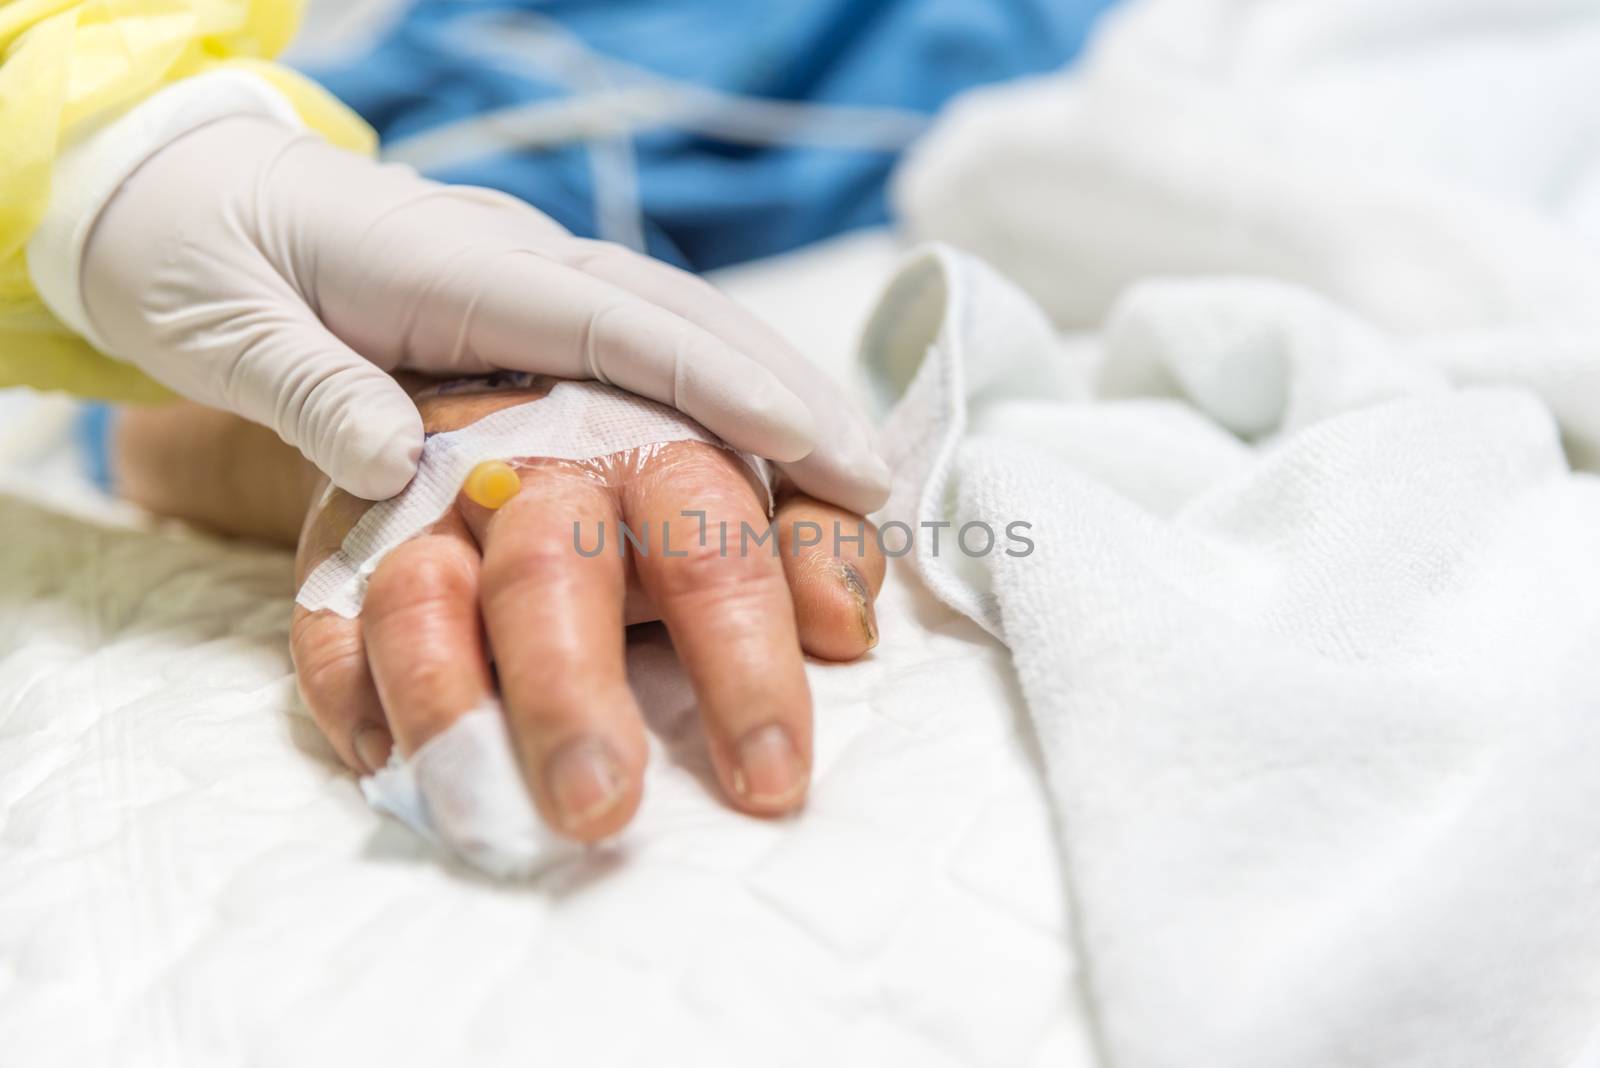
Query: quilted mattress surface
{"x": 187, "y": 876}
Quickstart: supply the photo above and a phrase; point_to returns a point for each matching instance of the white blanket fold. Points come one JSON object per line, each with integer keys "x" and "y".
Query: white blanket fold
{"x": 1311, "y": 637}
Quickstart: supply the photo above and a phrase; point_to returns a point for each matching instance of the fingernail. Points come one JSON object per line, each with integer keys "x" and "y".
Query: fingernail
{"x": 856, "y": 584}
{"x": 584, "y": 778}
{"x": 769, "y": 772}
{"x": 373, "y": 746}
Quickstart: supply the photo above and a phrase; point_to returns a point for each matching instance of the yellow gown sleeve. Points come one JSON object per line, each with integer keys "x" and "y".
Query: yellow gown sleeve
{"x": 65, "y": 62}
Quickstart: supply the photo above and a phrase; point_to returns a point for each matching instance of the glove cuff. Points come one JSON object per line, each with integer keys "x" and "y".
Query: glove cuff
{"x": 89, "y": 172}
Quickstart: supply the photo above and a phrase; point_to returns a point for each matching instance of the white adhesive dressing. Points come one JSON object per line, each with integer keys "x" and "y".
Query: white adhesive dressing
{"x": 463, "y": 790}
{"x": 574, "y": 421}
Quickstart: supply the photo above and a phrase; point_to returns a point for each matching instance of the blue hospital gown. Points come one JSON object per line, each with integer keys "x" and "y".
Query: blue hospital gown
{"x": 702, "y": 202}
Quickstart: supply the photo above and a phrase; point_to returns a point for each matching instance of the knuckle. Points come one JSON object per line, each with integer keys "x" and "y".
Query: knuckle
{"x": 601, "y": 336}
{"x": 713, "y": 477}
{"x": 716, "y": 570}
{"x": 421, "y": 576}
{"x": 544, "y": 559}
{"x": 325, "y": 661}
{"x": 587, "y": 255}
{"x": 428, "y": 675}
{"x": 707, "y": 465}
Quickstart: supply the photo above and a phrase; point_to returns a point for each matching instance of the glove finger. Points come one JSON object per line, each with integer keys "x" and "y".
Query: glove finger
{"x": 347, "y": 416}
{"x": 531, "y": 313}
{"x": 462, "y": 282}
{"x": 845, "y": 467}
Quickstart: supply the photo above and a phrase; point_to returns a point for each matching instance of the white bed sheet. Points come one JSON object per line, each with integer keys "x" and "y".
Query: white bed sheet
{"x": 188, "y": 877}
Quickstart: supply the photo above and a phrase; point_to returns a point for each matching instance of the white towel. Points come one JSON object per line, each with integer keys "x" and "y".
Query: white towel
{"x": 1311, "y": 638}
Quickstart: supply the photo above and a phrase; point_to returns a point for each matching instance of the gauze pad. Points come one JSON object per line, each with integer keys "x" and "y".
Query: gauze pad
{"x": 574, "y": 421}
{"x": 463, "y": 790}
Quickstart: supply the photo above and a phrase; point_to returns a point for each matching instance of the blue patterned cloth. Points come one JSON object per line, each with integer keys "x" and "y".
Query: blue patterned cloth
{"x": 703, "y": 200}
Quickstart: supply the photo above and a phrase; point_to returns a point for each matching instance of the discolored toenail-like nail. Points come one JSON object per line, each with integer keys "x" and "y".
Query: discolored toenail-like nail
{"x": 855, "y": 583}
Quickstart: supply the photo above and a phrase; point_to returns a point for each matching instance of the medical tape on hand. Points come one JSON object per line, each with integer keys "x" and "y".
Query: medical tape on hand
{"x": 574, "y": 421}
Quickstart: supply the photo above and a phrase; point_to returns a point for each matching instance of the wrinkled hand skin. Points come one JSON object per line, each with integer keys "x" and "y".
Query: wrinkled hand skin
{"x": 509, "y": 588}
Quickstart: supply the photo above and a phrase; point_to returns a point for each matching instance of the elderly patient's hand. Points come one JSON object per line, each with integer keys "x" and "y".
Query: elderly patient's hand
{"x": 511, "y": 587}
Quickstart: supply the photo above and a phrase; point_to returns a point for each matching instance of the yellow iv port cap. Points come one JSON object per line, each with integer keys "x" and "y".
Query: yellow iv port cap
{"x": 491, "y": 484}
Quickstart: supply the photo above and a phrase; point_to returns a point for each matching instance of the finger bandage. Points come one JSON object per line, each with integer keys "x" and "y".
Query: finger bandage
{"x": 574, "y": 421}
{"x": 463, "y": 790}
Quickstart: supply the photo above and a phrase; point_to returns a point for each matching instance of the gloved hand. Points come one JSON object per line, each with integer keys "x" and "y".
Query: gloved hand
{"x": 252, "y": 267}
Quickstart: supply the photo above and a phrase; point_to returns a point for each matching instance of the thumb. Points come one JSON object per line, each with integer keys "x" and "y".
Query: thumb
{"x": 346, "y": 415}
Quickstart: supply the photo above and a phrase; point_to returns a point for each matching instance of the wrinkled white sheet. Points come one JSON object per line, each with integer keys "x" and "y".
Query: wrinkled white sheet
{"x": 187, "y": 876}
{"x": 1312, "y": 635}
{"x": 1308, "y": 642}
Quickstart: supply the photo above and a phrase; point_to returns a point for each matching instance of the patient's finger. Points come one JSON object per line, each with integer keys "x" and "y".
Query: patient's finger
{"x": 731, "y": 619}
{"x": 835, "y": 569}
{"x": 329, "y": 650}
{"x": 423, "y": 633}
{"x": 330, "y": 664}
{"x": 555, "y": 624}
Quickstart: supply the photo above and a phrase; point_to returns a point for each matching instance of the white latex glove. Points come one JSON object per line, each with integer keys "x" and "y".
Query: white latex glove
{"x": 251, "y": 266}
